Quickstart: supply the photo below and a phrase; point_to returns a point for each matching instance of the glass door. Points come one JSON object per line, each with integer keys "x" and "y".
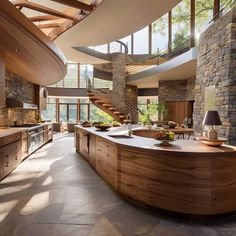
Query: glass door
{"x": 72, "y": 112}
{"x": 63, "y": 114}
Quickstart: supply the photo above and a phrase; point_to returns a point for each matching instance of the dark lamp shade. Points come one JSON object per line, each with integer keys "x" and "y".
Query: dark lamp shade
{"x": 211, "y": 118}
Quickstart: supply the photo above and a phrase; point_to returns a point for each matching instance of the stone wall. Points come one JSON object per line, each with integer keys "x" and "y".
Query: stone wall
{"x": 176, "y": 90}
{"x": 8, "y": 116}
{"x": 216, "y": 66}
{"x": 16, "y": 87}
{"x": 122, "y": 92}
{"x": 118, "y": 79}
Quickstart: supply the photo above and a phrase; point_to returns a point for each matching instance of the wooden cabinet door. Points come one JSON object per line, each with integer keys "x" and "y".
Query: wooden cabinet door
{"x": 84, "y": 144}
{"x": 92, "y": 150}
{"x": 2, "y": 80}
{"x": 12, "y": 156}
{"x": 178, "y": 110}
{"x": 107, "y": 161}
{"x": 1, "y": 162}
{"x": 24, "y": 145}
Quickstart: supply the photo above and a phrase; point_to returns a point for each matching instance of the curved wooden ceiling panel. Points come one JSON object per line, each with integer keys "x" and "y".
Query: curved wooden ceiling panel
{"x": 28, "y": 52}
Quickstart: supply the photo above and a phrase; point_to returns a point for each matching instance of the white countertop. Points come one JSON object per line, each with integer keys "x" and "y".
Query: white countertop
{"x": 182, "y": 145}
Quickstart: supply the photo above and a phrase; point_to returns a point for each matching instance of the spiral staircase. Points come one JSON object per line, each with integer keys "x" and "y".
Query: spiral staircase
{"x": 102, "y": 98}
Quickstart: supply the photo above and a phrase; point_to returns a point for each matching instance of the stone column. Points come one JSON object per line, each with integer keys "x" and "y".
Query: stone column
{"x": 216, "y": 66}
{"x": 118, "y": 79}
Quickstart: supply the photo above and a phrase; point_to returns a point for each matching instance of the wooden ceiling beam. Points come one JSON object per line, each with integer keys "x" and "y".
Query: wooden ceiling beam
{"x": 75, "y": 4}
{"x": 43, "y": 9}
{"x": 43, "y": 18}
{"x": 49, "y": 25}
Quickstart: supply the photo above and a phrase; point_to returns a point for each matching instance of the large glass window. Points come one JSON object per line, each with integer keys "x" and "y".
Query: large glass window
{"x": 84, "y": 112}
{"x": 154, "y": 39}
{"x": 160, "y": 35}
{"x": 97, "y": 114}
{"x": 50, "y": 113}
{"x": 127, "y": 41}
{"x": 100, "y": 83}
{"x": 71, "y": 79}
{"x": 102, "y": 48}
{"x": 72, "y": 109}
{"x": 181, "y": 25}
{"x": 63, "y": 112}
{"x": 226, "y": 5}
{"x": 141, "y": 41}
{"x": 204, "y": 14}
{"x": 142, "y": 104}
{"x": 86, "y": 73}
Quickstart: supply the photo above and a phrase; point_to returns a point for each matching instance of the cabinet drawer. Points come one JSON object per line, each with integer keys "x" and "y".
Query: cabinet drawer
{"x": 12, "y": 138}
{"x": 12, "y": 156}
{"x": 1, "y": 162}
{"x": 110, "y": 160}
{"x": 106, "y": 146}
{"x": 1, "y": 142}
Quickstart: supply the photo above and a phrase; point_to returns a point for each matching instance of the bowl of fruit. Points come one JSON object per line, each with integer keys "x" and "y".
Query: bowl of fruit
{"x": 166, "y": 137}
{"x": 86, "y": 124}
{"x": 104, "y": 126}
{"x": 115, "y": 123}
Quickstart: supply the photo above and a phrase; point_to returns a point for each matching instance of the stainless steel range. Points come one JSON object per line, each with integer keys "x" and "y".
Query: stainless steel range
{"x": 36, "y": 133}
{"x": 35, "y": 138}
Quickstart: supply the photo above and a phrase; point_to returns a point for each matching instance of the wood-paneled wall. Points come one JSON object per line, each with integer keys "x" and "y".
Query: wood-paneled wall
{"x": 178, "y": 110}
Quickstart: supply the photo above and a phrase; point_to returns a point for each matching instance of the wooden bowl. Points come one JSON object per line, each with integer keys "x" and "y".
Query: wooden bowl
{"x": 102, "y": 128}
{"x": 212, "y": 142}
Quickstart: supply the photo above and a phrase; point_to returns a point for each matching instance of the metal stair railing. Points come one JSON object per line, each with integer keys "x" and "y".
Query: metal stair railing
{"x": 231, "y": 4}
{"x": 113, "y": 47}
{"x": 106, "y": 95}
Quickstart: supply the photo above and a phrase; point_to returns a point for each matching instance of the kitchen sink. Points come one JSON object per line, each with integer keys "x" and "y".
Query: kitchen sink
{"x": 120, "y": 136}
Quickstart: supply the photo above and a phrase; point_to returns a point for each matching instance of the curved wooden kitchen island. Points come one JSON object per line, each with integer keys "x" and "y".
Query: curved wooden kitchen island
{"x": 187, "y": 177}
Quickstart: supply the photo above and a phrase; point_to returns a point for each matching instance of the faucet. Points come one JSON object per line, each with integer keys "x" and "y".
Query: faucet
{"x": 129, "y": 121}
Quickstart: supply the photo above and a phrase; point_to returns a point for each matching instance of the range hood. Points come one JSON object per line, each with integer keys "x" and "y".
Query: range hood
{"x": 15, "y": 103}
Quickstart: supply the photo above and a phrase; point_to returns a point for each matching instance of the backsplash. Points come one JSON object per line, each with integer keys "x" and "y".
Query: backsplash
{"x": 8, "y": 116}
{"x": 16, "y": 87}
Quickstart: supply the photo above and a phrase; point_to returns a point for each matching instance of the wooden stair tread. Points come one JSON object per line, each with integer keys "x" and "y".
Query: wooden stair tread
{"x": 99, "y": 101}
{"x": 94, "y": 98}
{"x": 107, "y": 105}
{"x": 118, "y": 112}
{"x": 90, "y": 94}
{"x": 112, "y": 108}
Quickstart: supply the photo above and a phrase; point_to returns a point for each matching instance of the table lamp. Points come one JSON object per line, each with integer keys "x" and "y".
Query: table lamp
{"x": 212, "y": 118}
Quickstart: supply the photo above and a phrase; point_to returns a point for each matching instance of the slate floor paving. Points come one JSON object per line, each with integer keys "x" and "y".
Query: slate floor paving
{"x": 56, "y": 193}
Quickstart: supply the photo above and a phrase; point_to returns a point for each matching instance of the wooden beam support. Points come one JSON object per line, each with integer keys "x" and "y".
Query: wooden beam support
{"x": 192, "y": 23}
{"x": 43, "y": 18}
{"x": 75, "y": 4}
{"x": 169, "y": 32}
{"x": 48, "y": 26}
{"x": 44, "y": 9}
{"x": 216, "y": 8}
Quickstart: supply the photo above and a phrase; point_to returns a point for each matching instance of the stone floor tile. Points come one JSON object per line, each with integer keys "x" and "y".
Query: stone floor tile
{"x": 168, "y": 230}
{"x": 50, "y": 214}
{"x": 130, "y": 220}
{"x": 56, "y": 193}
{"x": 78, "y": 219}
{"x": 35, "y": 229}
{"x": 104, "y": 228}
{"x": 71, "y": 230}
